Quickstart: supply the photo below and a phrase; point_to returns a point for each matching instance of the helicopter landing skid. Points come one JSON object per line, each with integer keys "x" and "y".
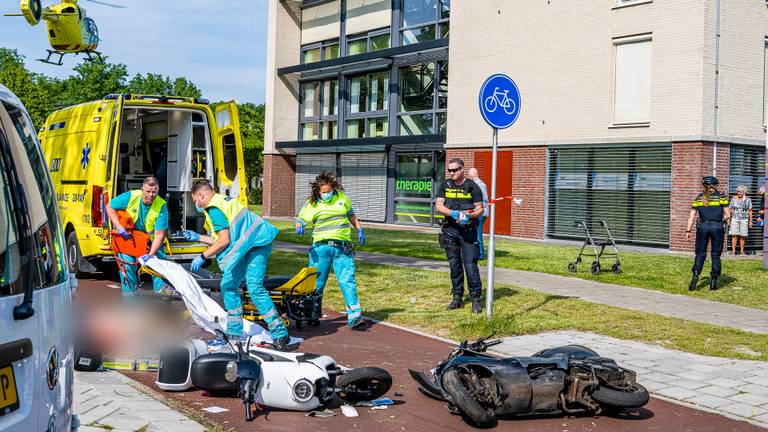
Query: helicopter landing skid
{"x": 90, "y": 58}
{"x": 58, "y": 62}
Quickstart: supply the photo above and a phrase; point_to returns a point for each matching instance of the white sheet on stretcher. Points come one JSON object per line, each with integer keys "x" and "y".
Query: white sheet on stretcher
{"x": 204, "y": 310}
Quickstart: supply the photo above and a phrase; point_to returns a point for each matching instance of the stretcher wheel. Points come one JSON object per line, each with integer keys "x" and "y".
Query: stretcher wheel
{"x": 595, "y": 268}
{"x": 572, "y": 267}
{"x": 616, "y": 268}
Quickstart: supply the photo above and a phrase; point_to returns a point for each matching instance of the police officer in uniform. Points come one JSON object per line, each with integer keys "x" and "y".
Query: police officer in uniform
{"x": 241, "y": 241}
{"x": 150, "y": 215}
{"x": 712, "y": 208}
{"x": 460, "y": 200}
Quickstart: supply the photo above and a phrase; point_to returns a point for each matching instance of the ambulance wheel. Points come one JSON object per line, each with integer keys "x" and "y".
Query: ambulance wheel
{"x": 73, "y": 254}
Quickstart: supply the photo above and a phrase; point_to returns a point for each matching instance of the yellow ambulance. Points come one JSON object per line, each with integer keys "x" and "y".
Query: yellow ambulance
{"x": 98, "y": 150}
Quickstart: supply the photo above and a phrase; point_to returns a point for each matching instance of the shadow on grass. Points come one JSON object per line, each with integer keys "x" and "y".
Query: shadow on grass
{"x": 383, "y": 314}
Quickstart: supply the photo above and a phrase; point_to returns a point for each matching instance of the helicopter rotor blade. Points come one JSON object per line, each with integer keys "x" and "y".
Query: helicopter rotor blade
{"x": 103, "y": 3}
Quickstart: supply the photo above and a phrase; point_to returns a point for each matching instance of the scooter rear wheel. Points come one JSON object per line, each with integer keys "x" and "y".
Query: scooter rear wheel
{"x": 366, "y": 383}
{"x": 635, "y": 397}
{"x": 466, "y": 402}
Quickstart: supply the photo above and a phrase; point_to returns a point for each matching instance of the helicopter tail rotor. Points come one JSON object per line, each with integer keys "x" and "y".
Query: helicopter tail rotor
{"x": 32, "y": 10}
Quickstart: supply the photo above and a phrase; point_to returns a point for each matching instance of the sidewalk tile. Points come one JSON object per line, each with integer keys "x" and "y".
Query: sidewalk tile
{"x": 709, "y": 401}
{"x": 678, "y": 393}
{"x": 754, "y": 388}
{"x": 718, "y": 391}
{"x": 751, "y": 399}
{"x": 743, "y": 410}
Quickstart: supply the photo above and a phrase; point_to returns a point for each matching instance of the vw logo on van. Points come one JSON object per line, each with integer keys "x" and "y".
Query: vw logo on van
{"x": 52, "y": 373}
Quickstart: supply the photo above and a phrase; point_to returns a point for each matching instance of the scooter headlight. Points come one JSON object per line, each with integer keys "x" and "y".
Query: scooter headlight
{"x": 303, "y": 391}
{"x": 230, "y": 373}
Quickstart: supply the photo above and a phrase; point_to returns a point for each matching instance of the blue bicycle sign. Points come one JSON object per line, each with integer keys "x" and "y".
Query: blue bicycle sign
{"x": 499, "y": 101}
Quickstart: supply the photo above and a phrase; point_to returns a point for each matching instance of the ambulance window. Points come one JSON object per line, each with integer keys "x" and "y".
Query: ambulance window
{"x": 197, "y": 117}
{"x": 230, "y": 156}
{"x": 10, "y": 258}
{"x": 41, "y": 200}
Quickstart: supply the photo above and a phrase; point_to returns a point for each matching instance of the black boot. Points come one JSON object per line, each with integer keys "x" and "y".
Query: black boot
{"x": 477, "y": 306}
{"x": 281, "y": 344}
{"x": 713, "y": 283}
{"x": 694, "y": 282}
{"x": 456, "y": 303}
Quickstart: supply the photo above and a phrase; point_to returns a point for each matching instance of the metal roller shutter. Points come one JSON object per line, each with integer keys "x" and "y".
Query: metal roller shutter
{"x": 364, "y": 176}
{"x": 626, "y": 186}
{"x": 308, "y": 166}
{"x": 747, "y": 167}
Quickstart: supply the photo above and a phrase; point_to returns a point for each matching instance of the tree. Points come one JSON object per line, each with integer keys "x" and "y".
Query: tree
{"x": 252, "y": 133}
{"x": 94, "y": 80}
{"x": 156, "y": 84}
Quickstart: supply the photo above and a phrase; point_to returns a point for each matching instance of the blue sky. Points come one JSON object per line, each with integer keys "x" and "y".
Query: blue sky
{"x": 220, "y": 46}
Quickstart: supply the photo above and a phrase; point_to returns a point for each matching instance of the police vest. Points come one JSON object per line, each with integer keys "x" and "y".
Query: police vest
{"x": 134, "y": 207}
{"x": 246, "y": 229}
{"x": 329, "y": 219}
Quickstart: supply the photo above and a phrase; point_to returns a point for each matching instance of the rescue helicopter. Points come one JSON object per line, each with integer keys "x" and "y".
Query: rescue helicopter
{"x": 70, "y": 31}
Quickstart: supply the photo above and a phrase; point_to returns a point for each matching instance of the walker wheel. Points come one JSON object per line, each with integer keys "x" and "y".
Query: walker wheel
{"x": 595, "y": 268}
{"x": 616, "y": 268}
{"x": 572, "y": 267}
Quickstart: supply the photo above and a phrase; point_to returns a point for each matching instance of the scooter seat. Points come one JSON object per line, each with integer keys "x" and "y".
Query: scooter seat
{"x": 274, "y": 282}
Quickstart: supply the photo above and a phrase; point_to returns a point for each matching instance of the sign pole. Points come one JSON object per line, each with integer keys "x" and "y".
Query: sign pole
{"x": 492, "y": 241}
{"x": 765, "y": 205}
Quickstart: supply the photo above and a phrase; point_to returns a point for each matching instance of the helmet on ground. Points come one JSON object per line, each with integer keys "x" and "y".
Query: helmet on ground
{"x": 710, "y": 180}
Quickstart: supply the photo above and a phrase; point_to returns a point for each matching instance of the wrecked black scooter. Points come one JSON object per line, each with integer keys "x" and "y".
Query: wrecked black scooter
{"x": 569, "y": 379}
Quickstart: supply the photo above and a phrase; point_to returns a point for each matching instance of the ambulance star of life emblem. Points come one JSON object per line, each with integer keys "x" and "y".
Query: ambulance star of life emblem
{"x": 86, "y": 155}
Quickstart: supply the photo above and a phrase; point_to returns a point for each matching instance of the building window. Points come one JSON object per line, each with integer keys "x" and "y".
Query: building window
{"x": 368, "y": 106}
{"x": 632, "y": 81}
{"x": 423, "y": 98}
{"x": 320, "y": 51}
{"x": 319, "y": 110}
{"x": 417, "y": 177}
{"x": 367, "y": 42}
{"x": 425, "y": 20}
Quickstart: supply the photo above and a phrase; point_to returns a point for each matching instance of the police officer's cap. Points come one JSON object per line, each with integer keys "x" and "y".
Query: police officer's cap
{"x": 710, "y": 181}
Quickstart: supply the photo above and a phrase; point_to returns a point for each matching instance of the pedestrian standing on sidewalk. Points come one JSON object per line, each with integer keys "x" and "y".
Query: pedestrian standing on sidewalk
{"x": 741, "y": 218}
{"x": 329, "y": 211}
{"x": 712, "y": 209}
{"x": 460, "y": 200}
{"x": 472, "y": 175}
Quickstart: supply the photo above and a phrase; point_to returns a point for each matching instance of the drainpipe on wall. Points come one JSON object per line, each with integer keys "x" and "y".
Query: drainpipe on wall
{"x": 717, "y": 89}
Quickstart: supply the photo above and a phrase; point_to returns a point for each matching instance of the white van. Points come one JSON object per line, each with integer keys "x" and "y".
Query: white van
{"x": 36, "y": 357}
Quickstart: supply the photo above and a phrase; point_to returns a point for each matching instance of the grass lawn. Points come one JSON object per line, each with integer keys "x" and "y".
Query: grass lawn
{"x": 256, "y": 208}
{"x": 744, "y": 281}
{"x": 417, "y": 299}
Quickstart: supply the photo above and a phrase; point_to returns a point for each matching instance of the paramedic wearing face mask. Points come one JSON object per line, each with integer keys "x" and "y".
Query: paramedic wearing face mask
{"x": 241, "y": 241}
{"x": 150, "y": 215}
{"x": 329, "y": 212}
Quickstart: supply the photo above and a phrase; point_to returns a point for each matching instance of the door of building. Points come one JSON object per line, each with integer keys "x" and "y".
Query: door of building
{"x": 484, "y": 163}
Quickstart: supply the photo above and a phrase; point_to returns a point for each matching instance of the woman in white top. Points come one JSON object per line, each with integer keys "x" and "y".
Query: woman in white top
{"x": 741, "y": 218}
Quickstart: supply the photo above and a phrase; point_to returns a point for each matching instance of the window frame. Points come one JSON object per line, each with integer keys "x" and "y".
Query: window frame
{"x": 435, "y": 111}
{"x": 368, "y": 37}
{"x": 616, "y": 43}
{"x": 367, "y": 116}
{"x": 437, "y": 22}
{"x": 319, "y": 119}
{"x": 322, "y": 45}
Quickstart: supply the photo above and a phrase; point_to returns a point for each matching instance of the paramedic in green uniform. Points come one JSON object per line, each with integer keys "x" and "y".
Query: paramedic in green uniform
{"x": 329, "y": 212}
{"x": 150, "y": 215}
{"x": 241, "y": 241}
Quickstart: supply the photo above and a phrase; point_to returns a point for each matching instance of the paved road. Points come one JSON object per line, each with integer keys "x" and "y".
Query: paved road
{"x": 397, "y": 350}
{"x": 660, "y": 303}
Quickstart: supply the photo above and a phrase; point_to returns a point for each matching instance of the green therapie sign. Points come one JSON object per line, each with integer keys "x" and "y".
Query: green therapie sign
{"x": 415, "y": 185}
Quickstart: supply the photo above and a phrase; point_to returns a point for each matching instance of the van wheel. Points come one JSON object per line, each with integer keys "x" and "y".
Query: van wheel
{"x": 73, "y": 254}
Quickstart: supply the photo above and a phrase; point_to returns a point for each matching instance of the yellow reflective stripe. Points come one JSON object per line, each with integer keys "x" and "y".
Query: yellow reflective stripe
{"x": 455, "y": 194}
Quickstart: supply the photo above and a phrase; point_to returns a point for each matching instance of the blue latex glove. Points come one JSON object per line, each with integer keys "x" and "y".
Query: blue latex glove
{"x": 191, "y": 235}
{"x": 466, "y": 221}
{"x": 455, "y": 215}
{"x": 360, "y": 237}
{"x": 197, "y": 263}
{"x": 123, "y": 233}
{"x": 143, "y": 260}
{"x": 299, "y": 229}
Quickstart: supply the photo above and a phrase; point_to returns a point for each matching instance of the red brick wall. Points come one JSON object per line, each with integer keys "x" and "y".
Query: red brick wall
{"x": 690, "y": 162}
{"x": 529, "y": 182}
{"x": 279, "y": 185}
{"x": 467, "y": 155}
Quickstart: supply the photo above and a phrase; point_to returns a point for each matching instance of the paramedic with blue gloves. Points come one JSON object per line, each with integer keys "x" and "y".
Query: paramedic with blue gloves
{"x": 241, "y": 241}
{"x": 150, "y": 215}
{"x": 460, "y": 200}
{"x": 329, "y": 211}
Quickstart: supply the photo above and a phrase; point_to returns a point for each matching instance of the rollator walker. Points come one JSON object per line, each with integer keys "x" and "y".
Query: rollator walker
{"x": 598, "y": 245}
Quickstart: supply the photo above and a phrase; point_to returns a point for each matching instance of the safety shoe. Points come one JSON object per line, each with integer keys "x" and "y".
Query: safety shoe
{"x": 359, "y": 325}
{"x": 281, "y": 344}
{"x": 456, "y": 303}
{"x": 713, "y": 284}
{"x": 694, "y": 283}
{"x": 477, "y": 306}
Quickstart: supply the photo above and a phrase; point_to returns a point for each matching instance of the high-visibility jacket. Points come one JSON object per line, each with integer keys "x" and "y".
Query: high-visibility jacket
{"x": 330, "y": 220}
{"x": 246, "y": 229}
{"x": 134, "y": 207}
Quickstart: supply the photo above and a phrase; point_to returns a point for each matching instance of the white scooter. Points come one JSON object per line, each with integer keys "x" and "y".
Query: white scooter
{"x": 292, "y": 381}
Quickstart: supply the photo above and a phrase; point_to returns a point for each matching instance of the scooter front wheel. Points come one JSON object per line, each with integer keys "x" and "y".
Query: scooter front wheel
{"x": 466, "y": 401}
{"x": 362, "y": 384}
{"x": 634, "y": 397}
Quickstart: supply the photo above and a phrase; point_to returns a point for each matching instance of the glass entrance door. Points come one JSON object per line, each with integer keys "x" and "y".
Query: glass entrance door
{"x": 416, "y": 180}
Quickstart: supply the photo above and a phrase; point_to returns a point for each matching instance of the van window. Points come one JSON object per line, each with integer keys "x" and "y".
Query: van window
{"x": 50, "y": 267}
{"x": 10, "y": 258}
{"x": 230, "y": 156}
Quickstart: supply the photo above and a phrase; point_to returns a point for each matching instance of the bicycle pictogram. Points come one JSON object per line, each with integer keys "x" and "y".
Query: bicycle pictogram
{"x": 500, "y": 98}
